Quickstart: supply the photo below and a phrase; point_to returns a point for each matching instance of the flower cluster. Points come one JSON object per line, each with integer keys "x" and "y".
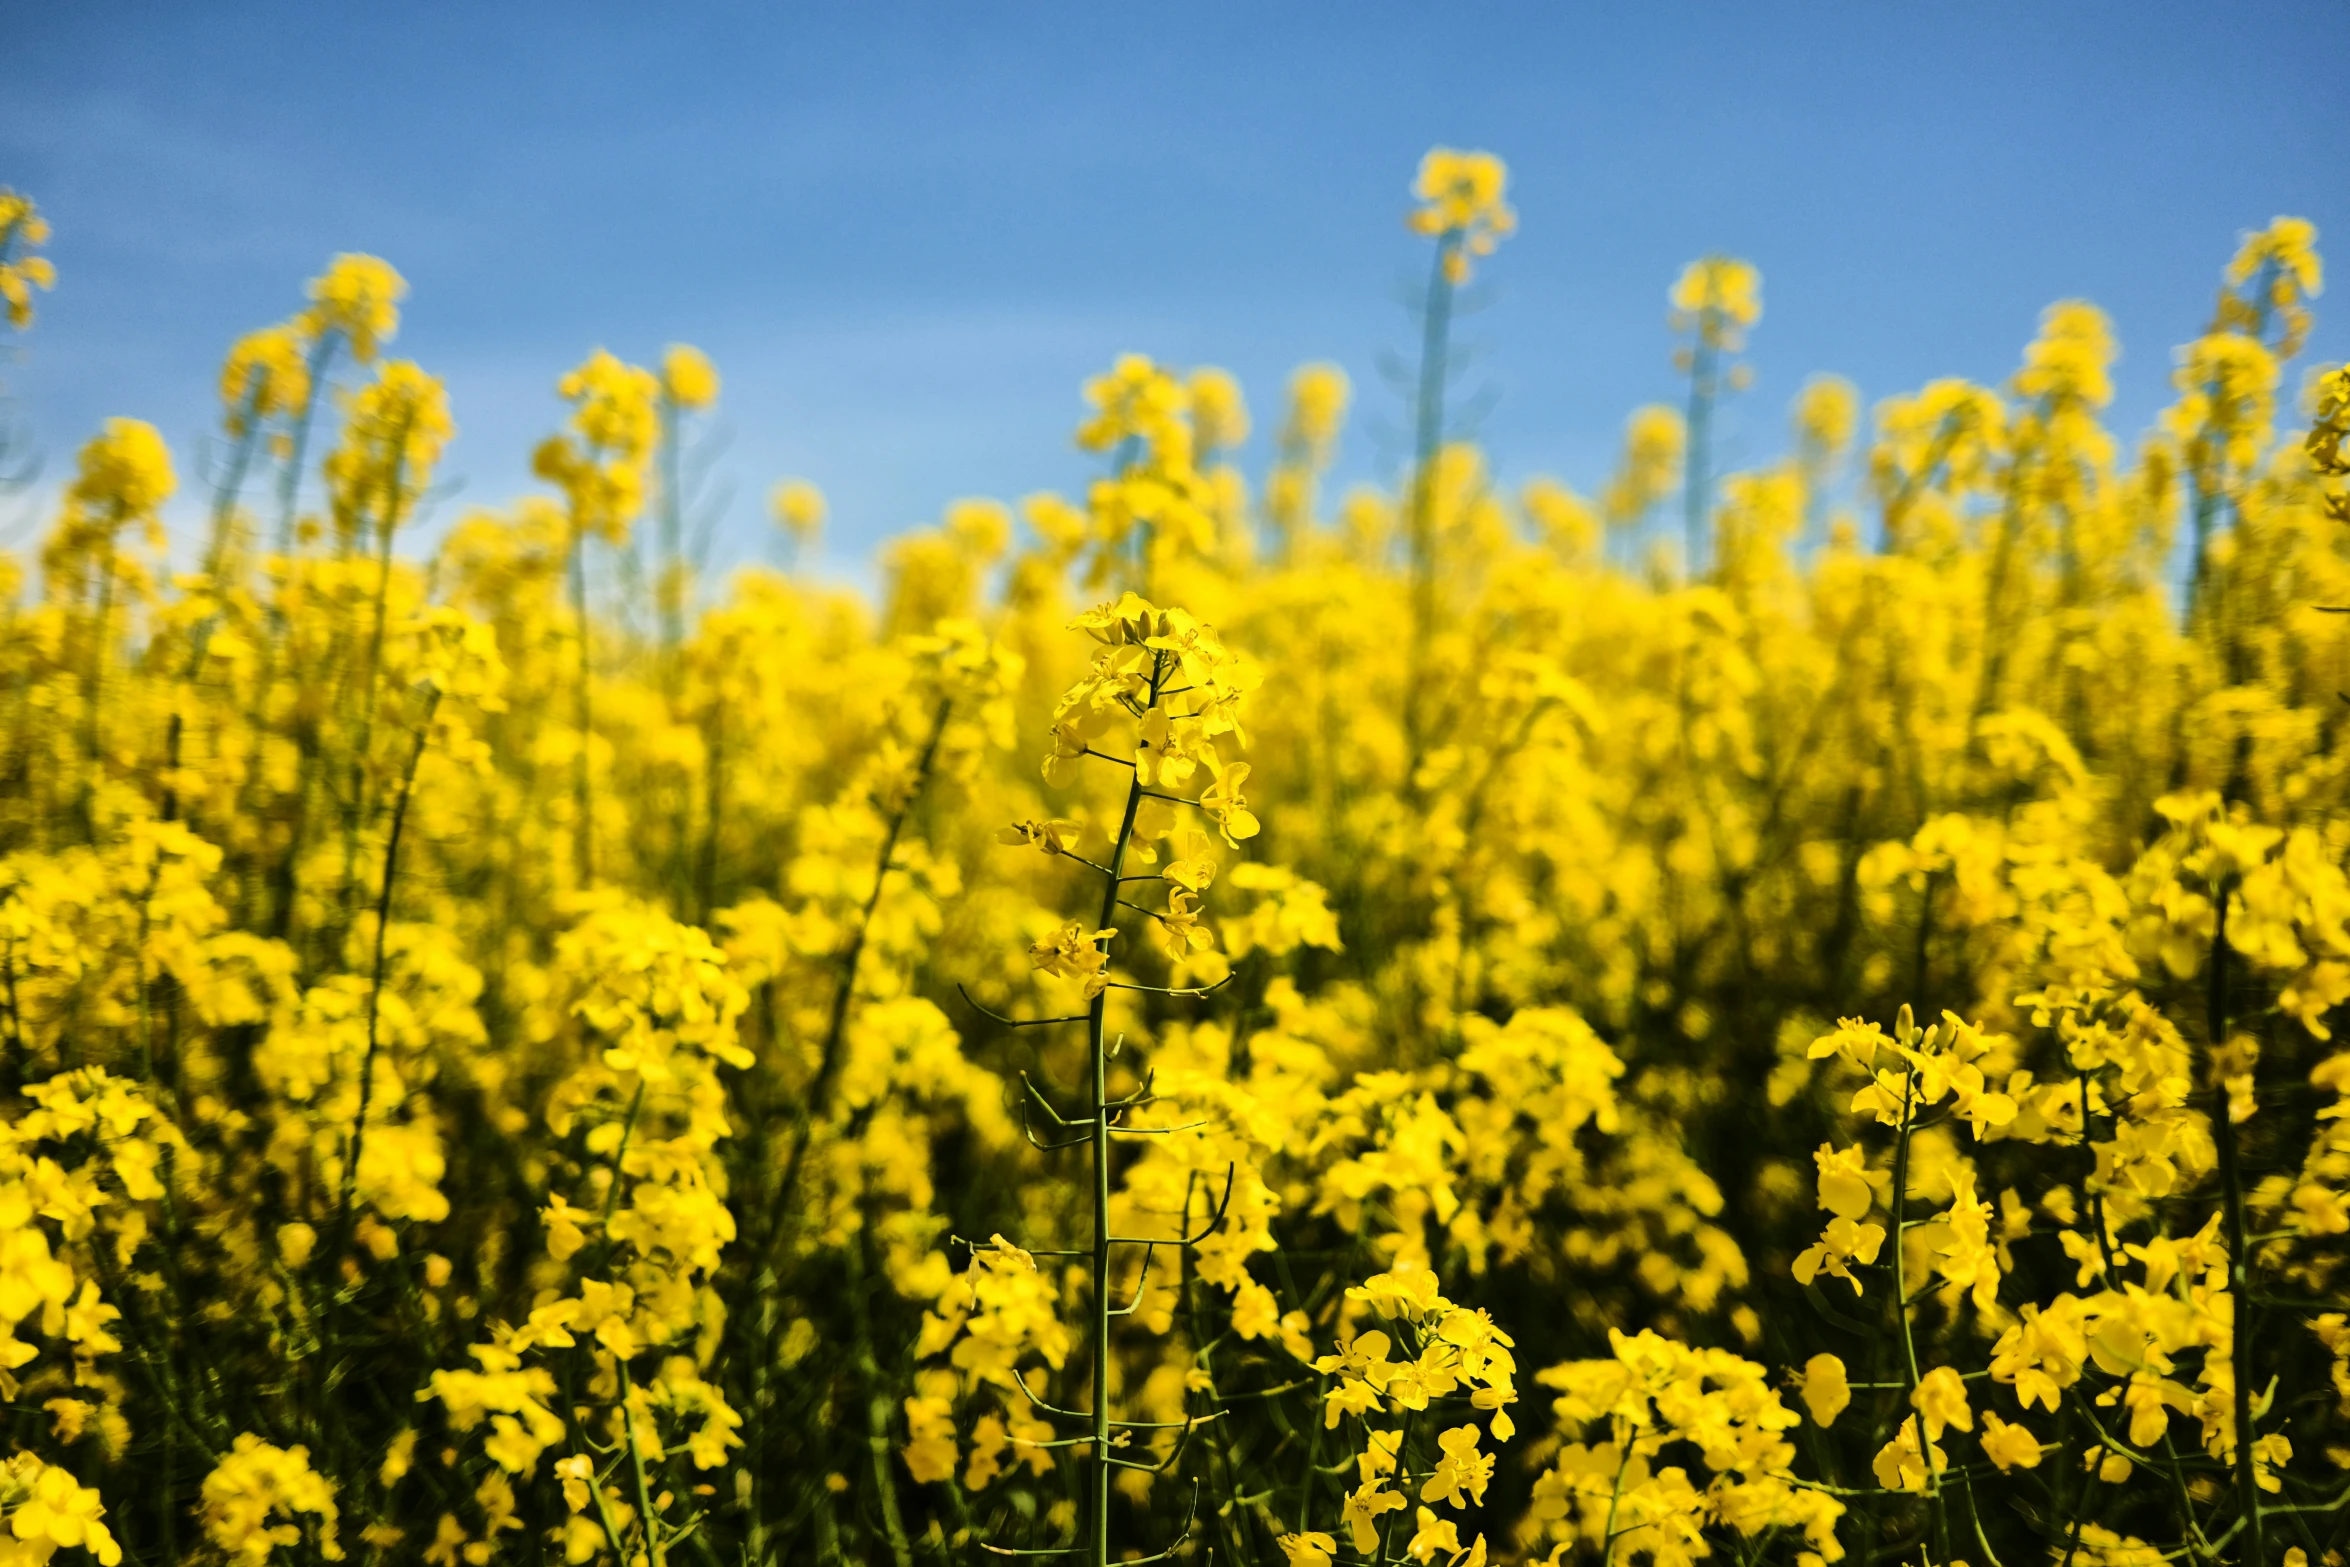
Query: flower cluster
{"x": 505, "y": 1029}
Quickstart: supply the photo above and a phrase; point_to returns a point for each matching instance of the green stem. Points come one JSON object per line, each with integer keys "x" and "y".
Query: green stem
{"x": 1909, "y": 1348}
{"x": 1392, "y": 1521}
{"x": 655, "y": 1552}
{"x": 885, "y": 1487}
{"x": 224, "y": 502}
{"x": 1615, "y": 1497}
{"x": 91, "y": 743}
{"x": 1097, "y": 1052}
{"x": 669, "y": 588}
{"x": 1428, "y": 440}
{"x": 224, "y": 499}
{"x": 2231, "y": 1176}
{"x": 289, "y": 483}
{"x": 1697, "y": 482}
{"x": 833, "y": 1051}
{"x": 357, "y": 808}
{"x": 583, "y": 841}
{"x": 375, "y": 988}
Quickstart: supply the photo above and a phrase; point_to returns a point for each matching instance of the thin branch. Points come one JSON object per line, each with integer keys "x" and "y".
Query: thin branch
{"x": 1141, "y": 1095}
{"x": 1021, "y": 1382}
{"x": 1017, "y": 1022}
{"x": 1174, "y": 990}
{"x": 1141, "y": 1284}
{"x": 1216, "y": 1223}
{"x": 1038, "y": 1095}
{"x": 1158, "y": 1131}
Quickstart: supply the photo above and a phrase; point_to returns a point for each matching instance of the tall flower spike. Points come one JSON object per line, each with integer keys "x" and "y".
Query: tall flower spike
{"x": 22, "y": 229}
{"x": 357, "y": 299}
{"x": 1159, "y": 699}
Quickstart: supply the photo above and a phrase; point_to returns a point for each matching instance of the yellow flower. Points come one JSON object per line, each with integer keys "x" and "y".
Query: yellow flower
{"x": 61, "y": 1511}
{"x": 799, "y": 507}
{"x": 1318, "y": 395}
{"x": 398, "y": 1459}
{"x": 2009, "y": 1446}
{"x": 1898, "y": 1466}
{"x": 1224, "y": 801}
{"x": 1844, "y": 1187}
{"x": 295, "y": 1243}
{"x": 1460, "y": 1468}
{"x": 252, "y": 1496}
{"x": 1940, "y": 1397}
{"x": 356, "y": 299}
{"x": 1824, "y": 1389}
{"x": 1073, "y": 952}
{"x": 1717, "y": 298}
{"x": 1405, "y": 1291}
{"x": 1219, "y": 415}
{"x": 1461, "y": 205}
{"x": 267, "y": 375}
{"x": 1362, "y": 1510}
{"x": 21, "y": 228}
{"x": 1655, "y": 440}
{"x": 1312, "y": 1549}
{"x": 2042, "y": 1354}
{"x": 394, "y": 433}
{"x": 1841, "y": 1244}
{"x": 930, "y": 1451}
{"x": 1179, "y": 929}
{"x": 1052, "y": 837}
{"x": 1970, "y": 1260}
{"x": 126, "y": 470}
{"x": 1435, "y": 1535}
{"x": 688, "y": 378}
{"x": 1826, "y": 414}
{"x": 2281, "y": 261}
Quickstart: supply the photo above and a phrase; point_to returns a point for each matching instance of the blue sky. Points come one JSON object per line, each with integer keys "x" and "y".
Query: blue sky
{"x": 907, "y": 233}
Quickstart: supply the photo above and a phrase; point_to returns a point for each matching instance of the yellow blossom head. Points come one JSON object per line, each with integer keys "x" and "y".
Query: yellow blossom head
{"x": 798, "y": 508}
{"x": 358, "y": 299}
{"x": 1462, "y": 206}
{"x": 1716, "y": 298}
{"x": 1219, "y": 414}
{"x": 1318, "y": 395}
{"x": 125, "y": 470}
{"x": 21, "y": 229}
{"x": 688, "y": 378}
{"x": 2270, "y": 278}
{"x": 1826, "y": 414}
{"x": 266, "y": 376}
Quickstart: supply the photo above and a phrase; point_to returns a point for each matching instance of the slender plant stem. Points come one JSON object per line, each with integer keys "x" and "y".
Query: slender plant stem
{"x": 357, "y": 807}
{"x": 375, "y": 988}
{"x": 1391, "y": 1522}
{"x": 669, "y": 588}
{"x": 1909, "y": 1348}
{"x": 830, "y": 1056}
{"x": 92, "y": 742}
{"x": 1615, "y": 1497}
{"x": 1697, "y": 481}
{"x": 1427, "y": 444}
{"x": 648, "y": 1521}
{"x": 876, "y": 1400}
{"x": 1097, "y": 1052}
{"x": 582, "y": 802}
{"x": 2231, "y": 1174}
{"x": 289, "y": 481}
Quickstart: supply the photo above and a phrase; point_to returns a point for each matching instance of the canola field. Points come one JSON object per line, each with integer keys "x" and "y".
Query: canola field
{"x": 1780, "y": 1016}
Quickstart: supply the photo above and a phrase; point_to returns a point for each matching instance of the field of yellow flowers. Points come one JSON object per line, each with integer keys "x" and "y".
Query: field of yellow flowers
{"x": 1773, "y": 1016}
